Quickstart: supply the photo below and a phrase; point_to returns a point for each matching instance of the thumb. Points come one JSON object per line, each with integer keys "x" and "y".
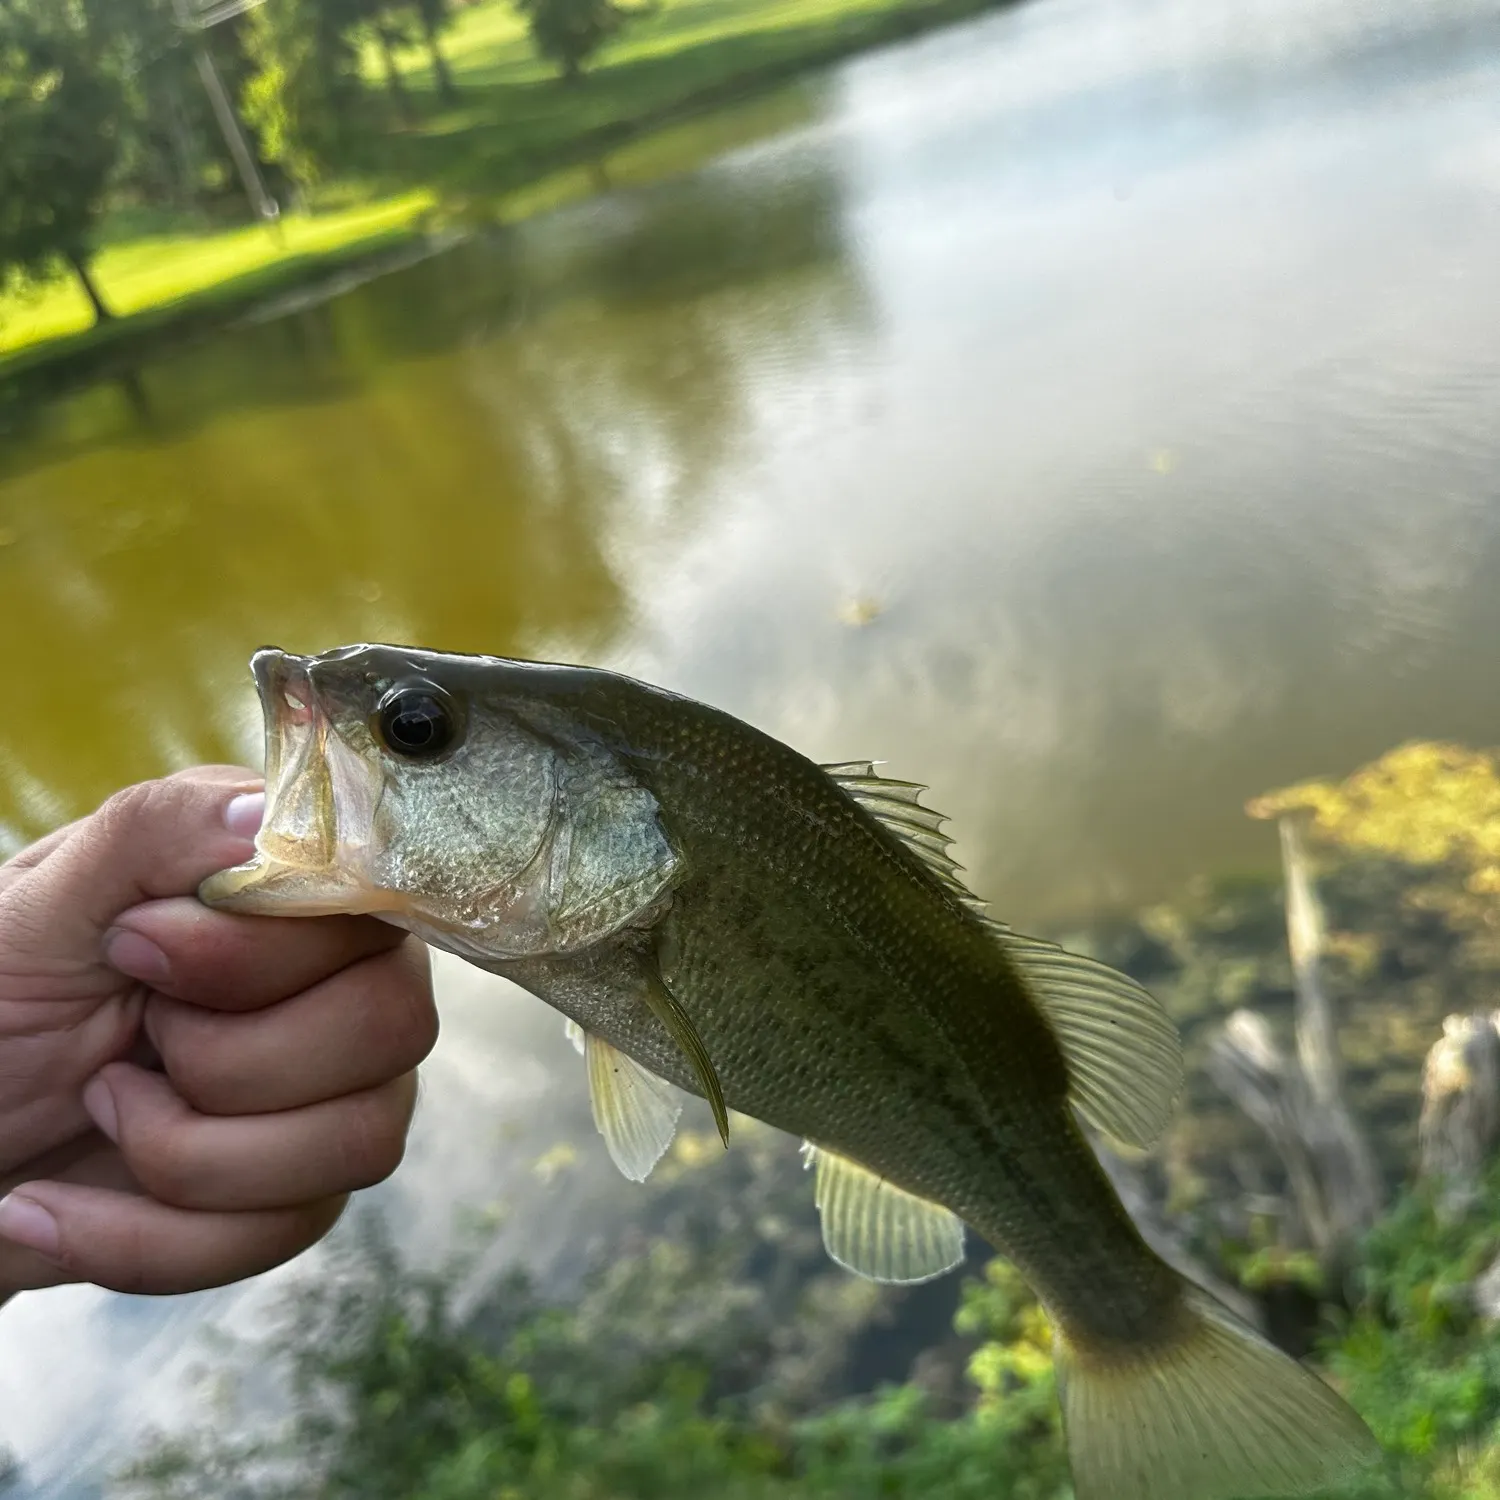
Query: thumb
{"x": 155, "y": 839}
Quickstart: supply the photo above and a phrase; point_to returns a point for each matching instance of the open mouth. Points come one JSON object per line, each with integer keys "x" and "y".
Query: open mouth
{"x": 298, "y": 828}
{"x": 293, "y": 870}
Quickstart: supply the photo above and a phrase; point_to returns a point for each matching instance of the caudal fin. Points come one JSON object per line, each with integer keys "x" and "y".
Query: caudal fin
{"x": 1217, "y": 1414}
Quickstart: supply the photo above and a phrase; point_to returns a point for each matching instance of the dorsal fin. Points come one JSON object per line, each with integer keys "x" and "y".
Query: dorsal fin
{"x": 1123, "y": 1053}
{"x": 875, "y": 1229}
{"x": 895, "y": 804}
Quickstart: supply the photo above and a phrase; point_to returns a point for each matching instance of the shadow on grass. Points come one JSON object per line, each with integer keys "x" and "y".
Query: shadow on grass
{"x": 513, "y": 125}
{"x": 44, "y": 369}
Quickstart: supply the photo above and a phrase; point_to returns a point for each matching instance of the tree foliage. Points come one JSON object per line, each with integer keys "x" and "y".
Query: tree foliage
{"x": 569, "y": 32}
{"x": 59, "y": 141}
{"x": 302, "y": 95}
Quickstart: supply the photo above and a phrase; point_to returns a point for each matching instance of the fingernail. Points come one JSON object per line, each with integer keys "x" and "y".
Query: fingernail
{"x": 243, "y": 815}
{"x": 24, "y": 1221}
{"x": 136, "y": 956}
{"x": 100, "y": 1103}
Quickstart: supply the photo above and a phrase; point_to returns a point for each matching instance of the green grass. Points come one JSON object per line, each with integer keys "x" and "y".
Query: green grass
{"x": 499, "y": 151}
{"x": 158, "y": 270}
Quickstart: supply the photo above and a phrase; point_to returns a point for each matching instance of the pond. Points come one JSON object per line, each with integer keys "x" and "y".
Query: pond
{"x": 1092, "y": 411}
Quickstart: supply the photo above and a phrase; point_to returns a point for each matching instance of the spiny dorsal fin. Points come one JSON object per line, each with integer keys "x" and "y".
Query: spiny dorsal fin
{"x": 636, "y": 1111}
{"x": 895, "y": 805}
{"x": 1123, "y": 1053}
{"x": 875, "y": 1229}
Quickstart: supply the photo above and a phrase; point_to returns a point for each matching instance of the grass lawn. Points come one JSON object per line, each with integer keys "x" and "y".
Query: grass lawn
{"x": 159, "y": 269}
{"x": 512, "y": 125}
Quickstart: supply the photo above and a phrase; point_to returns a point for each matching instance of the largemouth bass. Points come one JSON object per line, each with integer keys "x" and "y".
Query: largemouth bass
{"x": 712, "y": 912}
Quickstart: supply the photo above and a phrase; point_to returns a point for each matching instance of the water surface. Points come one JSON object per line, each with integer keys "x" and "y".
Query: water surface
{"x": 1094, "y": 412}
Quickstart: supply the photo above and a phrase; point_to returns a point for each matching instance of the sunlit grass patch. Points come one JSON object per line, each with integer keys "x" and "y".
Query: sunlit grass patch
{"x": 160, "y": 269}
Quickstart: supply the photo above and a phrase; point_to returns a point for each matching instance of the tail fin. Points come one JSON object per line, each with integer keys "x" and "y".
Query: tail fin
{"x": 1217, "y": 1414}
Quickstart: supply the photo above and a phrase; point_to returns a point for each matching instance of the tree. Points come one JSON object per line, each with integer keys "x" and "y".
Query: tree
{"x": 434, "y": 15}
{"x": 303, "y": 96}
{"x": 570, "y": 32}
{"x": 59, "y": 142}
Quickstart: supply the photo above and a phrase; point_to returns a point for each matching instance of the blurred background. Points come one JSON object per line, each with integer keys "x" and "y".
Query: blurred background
{"x": 1091, "y": 408}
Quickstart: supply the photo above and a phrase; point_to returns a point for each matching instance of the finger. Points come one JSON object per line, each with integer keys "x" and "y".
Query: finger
{"x": 229, "y": 962}
{"x": 236, "y": 1163}
{"x": 34, "y": 854}
{"x": 129, "y": 1243}
{"x": 158, "y": 838}
{"x": 364, "y": 1026}
{"x": 91, "y": 1159}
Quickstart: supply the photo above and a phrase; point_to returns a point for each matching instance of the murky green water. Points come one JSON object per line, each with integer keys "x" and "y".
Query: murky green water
{"x": 1094, "y": 413}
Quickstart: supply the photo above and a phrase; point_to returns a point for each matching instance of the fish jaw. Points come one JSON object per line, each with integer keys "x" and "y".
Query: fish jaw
{"x": 312, "y": 851}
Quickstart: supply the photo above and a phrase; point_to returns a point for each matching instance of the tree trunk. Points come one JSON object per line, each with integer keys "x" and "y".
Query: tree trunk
{"x": 441, "y": 76}
{"x": 80, "y": 264}
{"x": 393, "y": 76}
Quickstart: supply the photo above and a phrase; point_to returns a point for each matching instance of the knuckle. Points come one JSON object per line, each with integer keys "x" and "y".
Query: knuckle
{"x": 130, "y": 807}
{"x": 414, "y": 1021}
{"x": 311, "y": 1223}
{"x": 391, "y": 1000}
{"x": 128, "y": 1270}
{"x": 188, "y": 1042}
{"x": 376, "y": 1143}
{"x": 169, "y": 1166}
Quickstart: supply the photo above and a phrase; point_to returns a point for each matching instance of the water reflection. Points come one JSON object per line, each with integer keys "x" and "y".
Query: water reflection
{"x": 443, "y": 456}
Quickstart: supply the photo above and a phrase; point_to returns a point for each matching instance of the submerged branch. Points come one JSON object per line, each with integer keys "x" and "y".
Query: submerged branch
{"x": 1299, "y": 1101}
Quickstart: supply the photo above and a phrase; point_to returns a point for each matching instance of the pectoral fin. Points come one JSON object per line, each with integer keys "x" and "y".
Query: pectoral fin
{"x": 875, "y": 1229}
{"x": 636, "y": 1112}
{"x": 665, "y": 1008}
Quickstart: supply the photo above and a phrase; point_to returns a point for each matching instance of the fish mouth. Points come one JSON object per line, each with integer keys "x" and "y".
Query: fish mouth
{"x": 302, "y": 864}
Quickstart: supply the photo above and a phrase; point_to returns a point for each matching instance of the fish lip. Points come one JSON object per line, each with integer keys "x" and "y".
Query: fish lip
{"x": 278, "y": 673}
{"x": 284, "y": 684}
{"x": 295, "y": 733}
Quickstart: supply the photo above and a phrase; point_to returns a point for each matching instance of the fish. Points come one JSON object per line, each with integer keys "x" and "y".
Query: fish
{"x": 717, "y": 915}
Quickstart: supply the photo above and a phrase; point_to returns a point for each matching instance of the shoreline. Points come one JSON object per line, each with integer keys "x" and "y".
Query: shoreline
{"x": 51, "y": 367}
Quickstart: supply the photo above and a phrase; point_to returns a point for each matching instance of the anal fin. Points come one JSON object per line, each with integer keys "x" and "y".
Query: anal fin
{"x": 635, "y": 1111}
{"x": 877, "y": 1230}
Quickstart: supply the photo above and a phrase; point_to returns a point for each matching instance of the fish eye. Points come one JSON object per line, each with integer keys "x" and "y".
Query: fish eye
{"x": 418, "y": 722}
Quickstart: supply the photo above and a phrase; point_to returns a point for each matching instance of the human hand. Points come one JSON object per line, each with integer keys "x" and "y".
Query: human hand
{"x": 187, "y": 1096}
